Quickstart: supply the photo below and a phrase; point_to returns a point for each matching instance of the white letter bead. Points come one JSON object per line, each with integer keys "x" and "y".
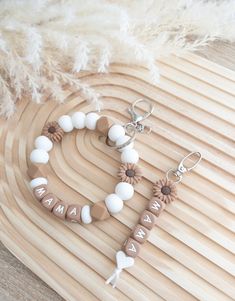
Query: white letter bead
{"x": 124, "y": 139}
{"x": 113, "y": 203}
{"x": 124, "y": 190}
{"x": 86, "y": 215}
{"x": 65, "y": 122}
{"x": 91, "y": 119}
{"x": 130, "y": 156}
{"x": 116, "y": 131}
{"x": 39, "y": 156}
{"x": 78, "y": 120}
{"x": 42, "y": 142}
{"x": 37, "y": 182}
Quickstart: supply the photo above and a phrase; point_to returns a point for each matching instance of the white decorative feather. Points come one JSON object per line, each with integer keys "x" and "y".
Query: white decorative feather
{"x": 45, "y": 43}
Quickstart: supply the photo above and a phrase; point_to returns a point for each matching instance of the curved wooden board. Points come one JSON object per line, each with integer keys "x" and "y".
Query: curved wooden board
{"x": 190, "y": 253}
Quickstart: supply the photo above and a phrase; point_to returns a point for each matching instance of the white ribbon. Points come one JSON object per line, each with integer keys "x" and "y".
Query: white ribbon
{"x": 123, "y": 261}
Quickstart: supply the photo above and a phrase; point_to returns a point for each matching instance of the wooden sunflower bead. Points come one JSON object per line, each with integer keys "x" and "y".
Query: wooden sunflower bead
{"x": 53, "y": 131}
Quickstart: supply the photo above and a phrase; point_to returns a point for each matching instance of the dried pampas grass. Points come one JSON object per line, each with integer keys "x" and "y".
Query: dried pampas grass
{"x": 45, "y": 43}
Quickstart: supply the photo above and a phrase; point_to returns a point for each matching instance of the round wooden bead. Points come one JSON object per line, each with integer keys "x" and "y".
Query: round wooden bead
{"x": 60, "y": 209}
{"x": 49, "y": 201}
{"x": 99, "y": 211}
{"x": 78, "y": 120}
{"x": 86, "y": 215}
{"x": 131, "y": 247}
{"x": 156, "y": 206}
{"x": 37, "y": 182}
{"x": 140, "y": 233}
{"x": 39, "y": 156}
{"x": 40, "y": 191}
{"x": 130, "y": 156}
{"x": 103, "y": 125}
{"x": 74, "y": 213}
{"x": 42, "y": 142}
{"x": 147, "y": 219}
{"x": 115, "y": 132}
{"x": 113, "y": 203}
{"x": 124, "y": 190}
{"x": 123, "y": 139}
{"x": 65, "y": 122}
{"x": 91, "y": 120}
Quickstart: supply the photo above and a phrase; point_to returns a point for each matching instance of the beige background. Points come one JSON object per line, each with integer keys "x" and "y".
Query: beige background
{"x": 16, "y": 281}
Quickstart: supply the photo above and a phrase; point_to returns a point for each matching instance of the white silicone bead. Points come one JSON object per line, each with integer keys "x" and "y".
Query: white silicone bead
{"x": 38, "y": 181}
{"x": 130, "y": 156}
{"x": 86, "y": 214}
{"x": 42, "y": 142}
{"x": 124, "y": 190}
{"x": 113, "y": 203}
{"x": 65, "y": 122}
{"x": 124, "y": 139}
{"x": 39, "y": 156}
{"x": 78, "y": 120}
{"x": 116, "y": 131}
{"x": 91, "y": 120}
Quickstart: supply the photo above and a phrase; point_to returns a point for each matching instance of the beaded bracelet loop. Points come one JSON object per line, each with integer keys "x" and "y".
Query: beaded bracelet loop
{"x": 129, "y": 172}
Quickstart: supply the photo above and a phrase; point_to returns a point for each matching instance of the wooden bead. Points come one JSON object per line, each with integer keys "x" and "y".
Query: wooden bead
{"x": 60, "y": 209}
{"x": 73, "y": 213}
{"x": 155, "y": 206}
{"x": 131, "y": 247}
{"x": 40, "y": 191}
{"x": 140, "y": 233}
{"x": 36, "y": 170}
{"x": 99, "y": 211}
{"x": 49, "y": 201}
{"x": 147, "y": 219}
{"x": 103, "y": 125}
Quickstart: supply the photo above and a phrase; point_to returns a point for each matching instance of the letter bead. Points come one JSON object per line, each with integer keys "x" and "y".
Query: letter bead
{"x": 99, "y": 211}
{"x": 147, "y": 219}
{"x": 140, "y": 233}
{"x": 49, "y": 201}
{"x": 131, "y": 247}
{"x": 156, "y": 206}
{"x": 60, "y": 209}
{"x": 40, "y": 191}
{"x": 73, "y": 213}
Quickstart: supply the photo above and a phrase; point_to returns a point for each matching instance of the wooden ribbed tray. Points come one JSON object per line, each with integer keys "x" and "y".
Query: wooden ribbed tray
{"x": 189, "y": 255}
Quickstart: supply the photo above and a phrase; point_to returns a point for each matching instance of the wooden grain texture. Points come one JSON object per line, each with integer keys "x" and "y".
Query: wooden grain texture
{"x": 190, "y": 255}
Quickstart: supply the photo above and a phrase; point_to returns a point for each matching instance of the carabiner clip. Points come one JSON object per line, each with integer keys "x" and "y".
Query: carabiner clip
{"x": 182, "y": 168}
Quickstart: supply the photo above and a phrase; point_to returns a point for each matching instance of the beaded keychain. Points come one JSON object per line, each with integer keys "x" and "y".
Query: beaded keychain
{"x": 118, "y": 136}
{"x": 164, "y": 192}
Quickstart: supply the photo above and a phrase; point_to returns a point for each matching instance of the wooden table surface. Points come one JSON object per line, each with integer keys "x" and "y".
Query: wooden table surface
{"x": 17, "y": 282}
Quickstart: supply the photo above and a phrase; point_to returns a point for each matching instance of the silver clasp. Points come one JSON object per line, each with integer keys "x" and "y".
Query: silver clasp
{"x": 136, "y": 118}
{"x": 182, "y": 168}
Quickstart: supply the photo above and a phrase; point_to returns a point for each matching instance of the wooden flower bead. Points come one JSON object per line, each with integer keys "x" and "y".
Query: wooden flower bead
{"x": 60, "y": 209}
{"x": 103, "y": 125}
{"x": 140, "y": 233}
{"x": 40, "y": 191}
{"x": 73, "y": 213}
{"x": 156, "y": 206}
{"x": 36, "y": 170}
{"x": 165, "y": 190}
{"x": 131, "y": 247}
{"x": 53, "y": 131}
{"x": 147, "y": 219}
{"x": 130, "y": 173}
{"x": 49, "y": 201}
{"x": 99, "y": 211}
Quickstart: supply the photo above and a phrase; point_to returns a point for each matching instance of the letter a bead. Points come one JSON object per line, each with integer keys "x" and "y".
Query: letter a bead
{"x": 74, "y": 213}
{"x": 131, "y": 248}
{"x": 147, "y": 219}
{"x": 140, "y": 233}
{"x": 156, "y": 206}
